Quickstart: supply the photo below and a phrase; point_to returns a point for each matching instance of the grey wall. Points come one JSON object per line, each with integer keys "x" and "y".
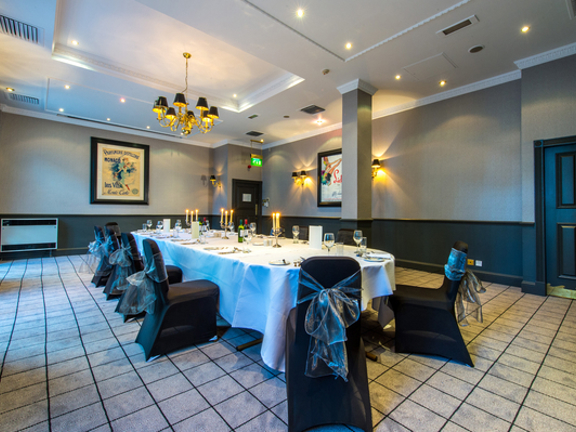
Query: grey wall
{"x": 45, "y": 169}
{"x": 453, "y": 160}
{"x": 287, "y": 197}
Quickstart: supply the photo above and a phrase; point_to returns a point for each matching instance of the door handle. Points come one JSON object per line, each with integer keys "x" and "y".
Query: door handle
{"x": 256, "y": 209}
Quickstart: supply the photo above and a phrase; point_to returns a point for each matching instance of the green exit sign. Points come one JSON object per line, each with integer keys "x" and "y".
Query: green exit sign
{"x": 256, "y": 160}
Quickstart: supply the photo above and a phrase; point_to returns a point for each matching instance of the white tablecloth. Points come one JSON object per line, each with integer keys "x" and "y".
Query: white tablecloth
{"x": 257, "y": 295}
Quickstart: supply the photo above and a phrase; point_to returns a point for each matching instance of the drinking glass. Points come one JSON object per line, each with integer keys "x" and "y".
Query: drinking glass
{"x": 296, "y": 233}
{"x": 177, "y": 228}
{"x": 253, "y": 228}
{"x": 363, "y": 244}
{"x": 231, "y": 227}
{"x": 149, "y": 224}
{"x": 159, "y": 227}
{"x": 247, "y": 240}
{"x": 357, "y": 238}
{"x": 328, "y": 241}
{"x": 144, "y": 227}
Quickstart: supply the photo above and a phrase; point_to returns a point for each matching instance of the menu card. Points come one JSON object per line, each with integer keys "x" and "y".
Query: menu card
{"x": 167, "y": 226}
{"x": 315, "y": 236}
{"x": 195, "y": 229}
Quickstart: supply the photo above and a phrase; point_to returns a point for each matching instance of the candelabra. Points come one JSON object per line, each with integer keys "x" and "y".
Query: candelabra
{"x": 225, "y": 227}
{"x": 276, "y": 233}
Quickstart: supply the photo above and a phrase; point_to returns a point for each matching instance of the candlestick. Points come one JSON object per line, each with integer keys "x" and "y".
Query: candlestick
{"x": 278, "y": 221}
{"x": 221, "y": 215}
{"x": 231, "y": 213}
{"x": 186, "y": 215}
{"x": 226, "y": 217}
{"x": 197, "y": 215}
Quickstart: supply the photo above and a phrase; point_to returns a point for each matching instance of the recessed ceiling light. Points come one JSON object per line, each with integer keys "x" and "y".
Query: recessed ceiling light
{"x": 442, "y": 83}
{"x": 320, "y": 121}
{"x": 348, "y": 46}
{"x": 147, "y": 127}
{"x": 61, "y": 110}
{"x": 108, "y": 119}
{"x": 66, "y": 86}
{"x": 286, "y": 116}
{"x": 398, "y": 77}
{"x": 300, "y": 13}
{"x": 525, "y": 29}
{"x": 234, "y": 95}
{"x": 475, "y": 49}
{"x": 10, "y": 89}
{"x": 74, "y": 42}
{"x": 122, "y": 100}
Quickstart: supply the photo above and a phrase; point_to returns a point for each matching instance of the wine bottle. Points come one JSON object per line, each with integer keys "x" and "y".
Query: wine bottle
{"x": 240, "y": 231}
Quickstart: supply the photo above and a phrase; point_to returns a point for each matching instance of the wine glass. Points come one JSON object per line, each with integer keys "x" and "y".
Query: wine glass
{"x": 247, "y": 240}
{"x": 328, "y": 241}
{"x": 149, "y": 224}
{"x": 159, "y": 227}
{"x": 357, "y": 239}
{"x": 295, "y": 233}
{"x": 231, "y": 227}
{"x": 253, "y": 228}
{"x": 177, "y": 228}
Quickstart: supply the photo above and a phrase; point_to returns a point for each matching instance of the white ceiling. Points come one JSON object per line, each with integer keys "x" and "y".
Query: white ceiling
{"x": 262, "y": 52}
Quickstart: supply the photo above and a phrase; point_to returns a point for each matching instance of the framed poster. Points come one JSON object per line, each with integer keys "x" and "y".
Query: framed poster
{"x": 119, "y": 172}
{"x": 330, "y": 178}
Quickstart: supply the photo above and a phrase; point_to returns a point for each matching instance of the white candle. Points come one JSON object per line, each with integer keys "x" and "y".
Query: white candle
{"x": 278, "y": 221}
{"x": 226, "y": 217}
{"x": 196, "y": 215}
{"x": 231, "y": 213}
{"x": 273, "y": 221}
{"x": 186, "y": 215}
{"x": 221, "y": 215}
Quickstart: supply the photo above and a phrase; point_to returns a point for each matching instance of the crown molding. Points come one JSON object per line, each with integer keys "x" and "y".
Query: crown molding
{"x": 358, "y": 84}
{"x": 89, "y": 124}
{"x": 470, "y": 88}
{"x": 545, "y": 57}
{"x": 321, "y": 131}
{"x": 257, "y": 146}
{"x": 269, "y": 90}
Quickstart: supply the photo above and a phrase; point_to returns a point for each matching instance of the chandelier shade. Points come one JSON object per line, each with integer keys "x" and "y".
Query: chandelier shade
{"x": 185, "y": 119}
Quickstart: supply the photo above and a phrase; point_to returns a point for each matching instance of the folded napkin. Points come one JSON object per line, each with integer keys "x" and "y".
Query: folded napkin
{"x": 378, "y": 255}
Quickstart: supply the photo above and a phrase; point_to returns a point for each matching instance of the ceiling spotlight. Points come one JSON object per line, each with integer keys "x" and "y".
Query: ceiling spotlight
{"x": 476, "y": 49}
{"x": 10, "y": 89}
{"x": 75, "y": 42}
{"x": 525, "y": 29}
{"x": 147, "y": 127}
{"x": 348, "y": 46}
{"x": 286, "y": 116}
{"x": 234, "y": 95}
{"x": 442, "y": 83}
{"x": 66, "y": 86}
{"x": 398, "y": 77}
{"x": 300, "y": 13}
{"x": 122, "y": 100}
{"x": 108, "y": 119}
{"x": 320, "y": 121}
{"x": 61, "y": 110}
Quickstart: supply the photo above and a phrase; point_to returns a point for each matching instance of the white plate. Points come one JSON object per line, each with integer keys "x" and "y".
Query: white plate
{"x": 374, "y": 259}
{"x": 279, "y": 262}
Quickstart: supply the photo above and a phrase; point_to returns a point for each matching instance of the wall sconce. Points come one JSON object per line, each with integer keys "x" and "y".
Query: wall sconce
{"x": 214, "y": 182}
{"x": 375, "y": 167}
{"x": 299, "y": 178}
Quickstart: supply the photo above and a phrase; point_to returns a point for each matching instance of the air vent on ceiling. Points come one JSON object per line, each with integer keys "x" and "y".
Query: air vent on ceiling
{"x": 23, "y": 99}
{"x": 458, "y": 26}
{"x": 20, "y": 30}
{"x": 312, "y": 109}
{"x": 254, "y": 133}
{"x": 253, "y": 116}
{"x": 571, "y": 8}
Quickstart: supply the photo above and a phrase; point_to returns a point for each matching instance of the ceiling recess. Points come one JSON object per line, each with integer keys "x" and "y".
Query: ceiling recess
{"x": 312, "y": 109}
{"x": 458, "y": 26}
{"x": 254, "y": 133}
{"x": 20, "y": 30}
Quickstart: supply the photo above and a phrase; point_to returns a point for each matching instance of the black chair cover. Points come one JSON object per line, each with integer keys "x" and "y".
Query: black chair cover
{"x": 303, "y": 232}
{"x": 114, "y": 227}
{"x": 426, "y": 321}
{"x": 184, "y": 313}
{"x": 114, "y": 246}
{"x": 346, "y": 236}
{"x": 325, "y": 400}
{"x": 104, "y": 268}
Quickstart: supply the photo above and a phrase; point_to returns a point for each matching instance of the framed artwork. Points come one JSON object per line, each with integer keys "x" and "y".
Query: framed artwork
{"x": 119, "y": 172}
{"x": 330, "y": 178}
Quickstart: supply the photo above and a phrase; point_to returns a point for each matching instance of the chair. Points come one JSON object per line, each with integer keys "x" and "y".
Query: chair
{"x": 303, "y": 232}
{"x": 129, "y": 242}
{"x": 114, "y": 227}
{"x": 426, "y": 321}
{"x": 346, "y": 236}
{"x": 183, "y": 314}
{"x": 104, "y": 269}
{"x": 113, "y": 246}
{"x": 325, "y": 400}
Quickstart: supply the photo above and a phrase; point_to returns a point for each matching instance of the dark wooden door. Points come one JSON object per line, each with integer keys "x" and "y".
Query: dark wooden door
{"x": 560, "y": 214}
{"x": 246, "y": 201}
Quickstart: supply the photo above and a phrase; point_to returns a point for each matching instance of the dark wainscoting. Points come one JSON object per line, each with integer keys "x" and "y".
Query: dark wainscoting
{"x": 75, "y": 232}
{"x": 425, "y": 244}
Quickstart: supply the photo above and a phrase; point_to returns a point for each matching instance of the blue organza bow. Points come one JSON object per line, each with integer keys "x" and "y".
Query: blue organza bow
{"x": 140, "y": 295}
{"x": 123, "y": 259}
{"x": 330, "y": 312}
{"x": 468, "y": 289}
{"x": 96, "y": 251}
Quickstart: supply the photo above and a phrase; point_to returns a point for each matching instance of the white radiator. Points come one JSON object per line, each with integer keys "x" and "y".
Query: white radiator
{"x": 29, "y": 234}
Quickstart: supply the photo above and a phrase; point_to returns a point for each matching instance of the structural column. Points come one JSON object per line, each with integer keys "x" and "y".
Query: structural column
{"x": 357, "y": 153}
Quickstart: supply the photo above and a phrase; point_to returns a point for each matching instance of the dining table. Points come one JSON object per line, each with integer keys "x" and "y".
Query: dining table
{"x": 258, "y": 282}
